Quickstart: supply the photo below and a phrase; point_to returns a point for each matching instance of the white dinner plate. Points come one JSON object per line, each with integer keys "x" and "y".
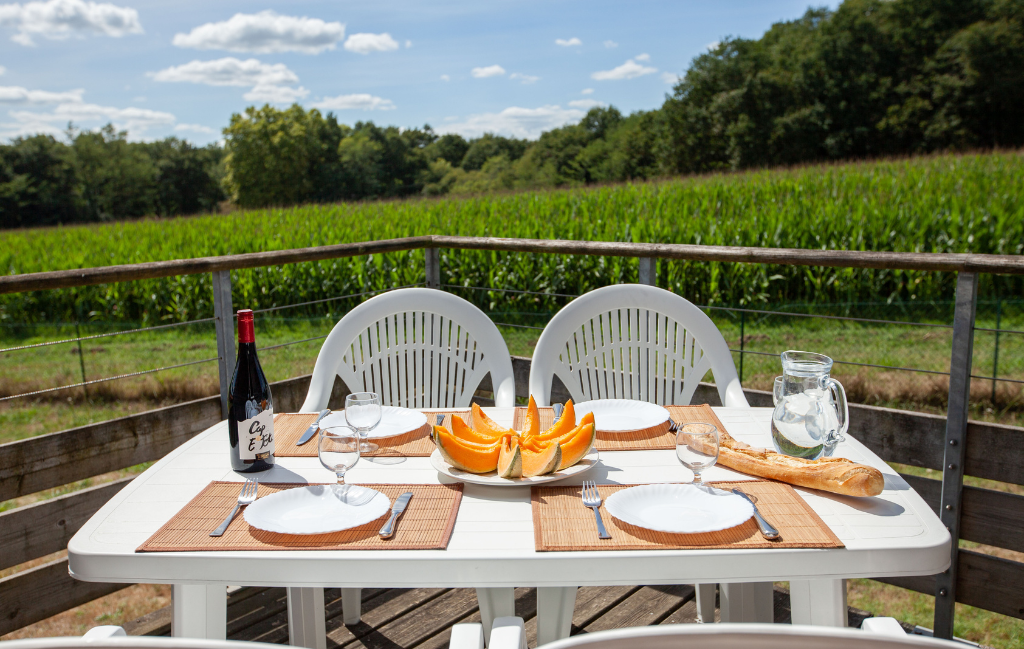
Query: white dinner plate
{"x": 679, "y": 508}
{"x": 437, "y": 461}
{"x": 617, "y": 415}
{"x": 394, "y": 421}
{"x": 315, "y": 509}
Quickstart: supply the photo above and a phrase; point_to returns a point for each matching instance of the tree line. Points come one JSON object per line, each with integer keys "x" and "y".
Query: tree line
{"x": 872, "y": 78}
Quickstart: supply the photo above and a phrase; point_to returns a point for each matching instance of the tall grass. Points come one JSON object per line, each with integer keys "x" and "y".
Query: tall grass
{"x": 946, "y": 203}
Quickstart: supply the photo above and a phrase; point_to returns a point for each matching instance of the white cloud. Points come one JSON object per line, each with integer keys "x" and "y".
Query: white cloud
{"x": 568, "y": 43}
{"x": 366, "y": 43}
{"x": 271, "y": 94}
{"x": 60, "y": 19}
{"x": 610, "y": 44}
{"x": 408, "y": 44}
{"x": 355, "y": 102}
{"x": 134, "y": 120}
{"x": 670, "y": 78}
{"x": 264, "y": 32}
{"x": 525, "y": 78}
{"x": 489, "y": 71}
{"x": 587, "y": 91}
{"x": 628, "y": 70}
{"x": 195, "y": 128}
{"x": 2, "y": 70}
{"x": 585, "y": 104}
{"x": 19, "y": 95}
{"x": 228, "y": 71}
{"x": 515, "y": 121}
{"x": 642, "y": 57}
{"x": 713, "y": 45}
{"x": 445, "y": 77}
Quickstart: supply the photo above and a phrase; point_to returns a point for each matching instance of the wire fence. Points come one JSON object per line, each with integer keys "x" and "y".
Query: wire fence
{"x": 742, "y": 351}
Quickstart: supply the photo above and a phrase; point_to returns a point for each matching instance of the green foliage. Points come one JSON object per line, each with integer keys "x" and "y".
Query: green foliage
{"x": 943, "y": 203}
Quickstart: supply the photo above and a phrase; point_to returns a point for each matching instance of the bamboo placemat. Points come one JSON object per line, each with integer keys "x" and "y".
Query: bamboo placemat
{"x": 288, "y": 428}
{"x": 426, "y": 524}
{"x": 562, "y": 523}
{"x": 658, "y": 438}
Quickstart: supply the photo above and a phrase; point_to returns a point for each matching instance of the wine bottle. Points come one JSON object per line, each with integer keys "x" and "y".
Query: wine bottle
{"x": 250, "y": 406}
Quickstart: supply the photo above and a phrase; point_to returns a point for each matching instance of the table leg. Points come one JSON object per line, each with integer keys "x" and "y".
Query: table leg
{"x": 494, "y": 603}
{"x": 199, "y": 611}
{"x": 351, "y": 605}
{"x": 554, "y": 613}
{"x": 306, "y": 626}
{"x": 705, "y": 603}
{"x": 821, "y": 602}
{"x": 747, "y": 602}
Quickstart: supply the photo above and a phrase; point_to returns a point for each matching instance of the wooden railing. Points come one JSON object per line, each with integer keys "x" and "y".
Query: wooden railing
{"x": 949, "y": 444}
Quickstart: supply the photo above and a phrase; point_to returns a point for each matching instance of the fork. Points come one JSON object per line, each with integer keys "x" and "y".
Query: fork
{"x": 592, "y": 499}
{"x": 246, "y": 497}
{"x": 672, "y": 425}
{"x": 440, "y": 419}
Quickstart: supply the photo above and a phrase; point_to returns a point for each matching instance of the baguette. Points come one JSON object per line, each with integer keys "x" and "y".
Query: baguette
{"x": 834, "y": 474}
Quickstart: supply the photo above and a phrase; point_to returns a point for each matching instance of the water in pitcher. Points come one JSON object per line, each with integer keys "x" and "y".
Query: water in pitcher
{"x": 810, "y": 412}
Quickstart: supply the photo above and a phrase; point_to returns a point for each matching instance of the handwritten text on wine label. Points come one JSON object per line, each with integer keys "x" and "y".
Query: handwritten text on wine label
{"x": 256, "y": 436}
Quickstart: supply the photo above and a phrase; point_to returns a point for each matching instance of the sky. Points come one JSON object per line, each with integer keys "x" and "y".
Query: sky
{"x": 183, "y": 67}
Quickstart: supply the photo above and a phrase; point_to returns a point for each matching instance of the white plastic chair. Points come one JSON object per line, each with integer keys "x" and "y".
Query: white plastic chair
{"x": 114, "y": 637}
{"x": 417, "y": 348}
{"x": 702, "y": 636}
{"x": 632, "y": 341}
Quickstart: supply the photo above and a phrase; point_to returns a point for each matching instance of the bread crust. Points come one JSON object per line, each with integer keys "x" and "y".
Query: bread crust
{"x": 833, "y": 474}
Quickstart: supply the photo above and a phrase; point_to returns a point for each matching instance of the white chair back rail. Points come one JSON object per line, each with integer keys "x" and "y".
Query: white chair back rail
{"x": 417, "y": 348}
{"x": 632, "y": 341}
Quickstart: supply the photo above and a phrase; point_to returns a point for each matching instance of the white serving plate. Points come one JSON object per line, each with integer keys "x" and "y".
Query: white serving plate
{"x": 394, "y": 421}
{"x": 679, "y": 508}
{"x": 618, "y": 415}
{"x": 314, "y": 509}
{"x": 492, "y": 479}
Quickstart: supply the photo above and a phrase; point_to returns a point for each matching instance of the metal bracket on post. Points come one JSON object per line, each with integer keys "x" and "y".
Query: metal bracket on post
{"x": 433, "y": 267}
{"x": 649, "y": 271}
{"x": 956, "y": 445}
{"x": 224, "y": 321}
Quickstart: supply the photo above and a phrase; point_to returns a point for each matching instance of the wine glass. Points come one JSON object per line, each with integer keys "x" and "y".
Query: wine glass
{"x": 362, "y": 412}
{"x": 697, "y": 447}
{"x": 338, "y": 450}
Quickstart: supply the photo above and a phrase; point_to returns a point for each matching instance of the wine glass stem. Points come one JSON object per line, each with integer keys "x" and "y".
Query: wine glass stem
{"x": 696, "y": 478}
{"x": 341, "y": 476}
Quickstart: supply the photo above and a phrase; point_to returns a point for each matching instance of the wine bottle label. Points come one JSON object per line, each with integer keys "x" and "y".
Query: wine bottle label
{"x": 256, "y": 436}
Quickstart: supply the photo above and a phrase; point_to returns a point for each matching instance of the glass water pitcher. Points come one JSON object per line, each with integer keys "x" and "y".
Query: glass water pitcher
{"x": 811, "y": 414}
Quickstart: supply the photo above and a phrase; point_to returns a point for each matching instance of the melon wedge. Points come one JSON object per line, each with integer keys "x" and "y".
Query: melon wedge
{"x": 486, "y": 426}
{"x": 576, "y": 447}
{"x": 463, "y": 431}
{"x": 510, "y": 458}
{"x": 541, "y": 462}
{"x": 565, "y": 424}
{"x": 531, "y": 423}
{"x": 469, "y": 457}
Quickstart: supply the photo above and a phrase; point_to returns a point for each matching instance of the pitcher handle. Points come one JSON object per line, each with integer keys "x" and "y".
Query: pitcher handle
{"x": 842, "y": 408}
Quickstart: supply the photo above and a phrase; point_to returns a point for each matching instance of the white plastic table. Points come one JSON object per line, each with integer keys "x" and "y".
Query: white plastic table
{"x": 492, "y": 545}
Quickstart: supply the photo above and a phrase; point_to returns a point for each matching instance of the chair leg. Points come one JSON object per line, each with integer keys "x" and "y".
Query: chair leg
{"x": 495, "y": 603}
{"x": 821, "y": 602}
{"x": 351, "y": 605}
{"x": 706, "y": 603}
{"x": 306, "y": 624}
{"x": 199, "y": 611}
{"x": 747, "y": 602}
{"x": 554, "y": 613}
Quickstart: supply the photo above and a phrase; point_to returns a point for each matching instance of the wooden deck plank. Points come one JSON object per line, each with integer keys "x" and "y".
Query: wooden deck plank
{"x": 646, "y": 606}
{"x": 378, "y": 611}
{"x": 526, "y": 608}
{"x": 416, "y": 626}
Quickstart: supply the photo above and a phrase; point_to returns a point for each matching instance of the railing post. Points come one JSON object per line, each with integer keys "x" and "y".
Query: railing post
{"x": 433, "y": 267}
{"x": 649, "y": 271}
{"x": 956, "y": 445}
{"x": 224, "y": 322}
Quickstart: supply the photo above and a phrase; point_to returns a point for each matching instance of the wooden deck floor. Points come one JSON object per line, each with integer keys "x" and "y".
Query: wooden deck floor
{"x": 422, "y": 618}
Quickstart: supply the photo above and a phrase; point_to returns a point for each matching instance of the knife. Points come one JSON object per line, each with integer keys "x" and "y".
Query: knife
{"x": 315, "y": 426}
{"x": 388, "y": 530}
{"x": 767, "y": 530}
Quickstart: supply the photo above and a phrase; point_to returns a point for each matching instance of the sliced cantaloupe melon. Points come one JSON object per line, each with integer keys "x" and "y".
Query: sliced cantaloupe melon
{"x": 463, "y": 431}
{"x": 541, "y": 462}
{"x": 486, "y": 426}
{"x": 576, "y": 447}
{"x": 565, "y": 423}
{"x": 510, "y": 458}
{"x": 531, "y": 423}
{"x": 473, "y": 458}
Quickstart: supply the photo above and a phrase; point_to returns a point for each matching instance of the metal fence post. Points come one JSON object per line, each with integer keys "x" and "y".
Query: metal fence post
{"x": 995, "y": 353}
{"x": 649, "y": 271}
{"x": 956, "y": 445}
{"x": 433, "y": 267}
{"x": 743, "y": 340}
{"x": 224, "y": 322}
